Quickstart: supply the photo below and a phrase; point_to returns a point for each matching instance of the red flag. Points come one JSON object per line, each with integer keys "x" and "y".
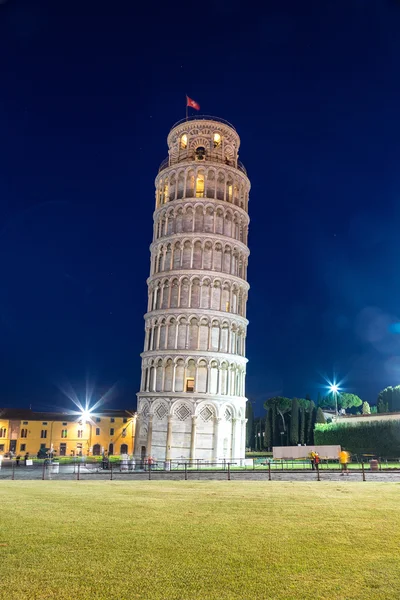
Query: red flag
{"x": 192, "y": 103}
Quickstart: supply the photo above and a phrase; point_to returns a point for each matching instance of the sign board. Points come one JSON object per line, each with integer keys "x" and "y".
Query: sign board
{"x": 29, "y": 462}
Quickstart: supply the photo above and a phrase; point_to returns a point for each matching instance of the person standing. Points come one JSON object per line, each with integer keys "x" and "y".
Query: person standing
{"x": 344, "y": 460}
{"x": 17, "y": 459}
{"x": 26, "y": 458}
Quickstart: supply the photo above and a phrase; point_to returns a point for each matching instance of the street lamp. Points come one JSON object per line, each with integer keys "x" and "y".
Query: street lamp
{"x": 86, "y": 418}
{"x": 334, "y": 389}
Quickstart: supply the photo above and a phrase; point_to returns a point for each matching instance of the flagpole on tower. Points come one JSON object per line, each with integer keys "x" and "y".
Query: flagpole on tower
{"x": 186, "y": 107}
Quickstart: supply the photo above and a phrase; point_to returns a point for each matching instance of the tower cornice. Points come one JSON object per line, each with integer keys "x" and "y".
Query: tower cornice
{"x": 191, "y": 274}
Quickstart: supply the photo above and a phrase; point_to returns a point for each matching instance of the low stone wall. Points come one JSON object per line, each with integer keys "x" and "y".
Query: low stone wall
{"x": 303, "y": 451}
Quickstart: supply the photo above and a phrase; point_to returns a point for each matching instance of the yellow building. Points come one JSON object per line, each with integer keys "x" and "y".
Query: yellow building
{"x": 111, "y": 431}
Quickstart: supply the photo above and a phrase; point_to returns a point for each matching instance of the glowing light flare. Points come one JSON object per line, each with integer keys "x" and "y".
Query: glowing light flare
{"x": 85, "y": 416}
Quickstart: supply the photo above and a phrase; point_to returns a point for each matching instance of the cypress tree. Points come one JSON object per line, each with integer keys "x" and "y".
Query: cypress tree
{"x": 310, "y": 424}
{"x": 302, "y": 425}
{"x": 294, "y": 423}
{"x": 275, "y": 428}
{"x": 320, "y": 417}
{"x": 268, "y": 429}
{"x": 249, "y": 425}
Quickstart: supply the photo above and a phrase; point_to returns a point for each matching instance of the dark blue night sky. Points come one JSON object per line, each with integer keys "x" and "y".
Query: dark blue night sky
{"x": 89, "y": 91}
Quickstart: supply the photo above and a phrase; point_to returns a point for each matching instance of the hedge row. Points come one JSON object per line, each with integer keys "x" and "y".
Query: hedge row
{"x": 381, "y": 438}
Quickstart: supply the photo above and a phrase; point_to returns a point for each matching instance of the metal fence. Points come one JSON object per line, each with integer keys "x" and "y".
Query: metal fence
{"x": 91, "y": 469}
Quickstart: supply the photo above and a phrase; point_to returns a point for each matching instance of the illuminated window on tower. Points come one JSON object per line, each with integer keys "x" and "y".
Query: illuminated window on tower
{"x": 200, "y": 186}
{"x": 190, "y": 384}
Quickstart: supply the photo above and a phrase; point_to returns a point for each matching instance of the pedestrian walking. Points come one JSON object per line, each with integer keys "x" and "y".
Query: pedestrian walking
{"x": 26, "y": 458}
{"x": 343, "y": 460}
{"x": 17, "y": 459}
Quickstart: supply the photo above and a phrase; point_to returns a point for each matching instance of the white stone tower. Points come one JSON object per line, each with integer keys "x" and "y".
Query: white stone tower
{"x": 191, "y": 403}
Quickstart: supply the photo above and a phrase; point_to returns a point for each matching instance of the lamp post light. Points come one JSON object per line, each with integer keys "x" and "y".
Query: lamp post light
{"x": 85, "y": 418}
{"x": 334, "y": 389}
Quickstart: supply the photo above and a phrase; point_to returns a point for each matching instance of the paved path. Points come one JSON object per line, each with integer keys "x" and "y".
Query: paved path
{"x": 91, "y": 472}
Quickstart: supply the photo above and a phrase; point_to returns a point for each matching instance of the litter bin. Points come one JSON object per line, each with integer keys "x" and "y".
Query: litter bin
{"x": 54, "y": 468}
{"x": 373, "y": 465}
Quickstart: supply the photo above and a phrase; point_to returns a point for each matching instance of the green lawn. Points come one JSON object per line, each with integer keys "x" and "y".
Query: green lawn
{"x": 219, "y": 540}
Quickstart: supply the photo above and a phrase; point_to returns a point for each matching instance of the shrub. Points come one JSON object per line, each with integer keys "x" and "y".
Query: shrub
{"x": 381, "y": 438}
{"x": 366, "y": 410}
{"x": 320, "y": 417}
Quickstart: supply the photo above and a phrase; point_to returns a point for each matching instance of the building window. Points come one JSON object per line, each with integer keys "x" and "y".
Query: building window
{"x": 65, "y": 424}
{"x": 97, "y": 430}
{"x": 200, "y": 186}
{"x": 184, "y": 141}
{"x": 217, "y": 140}
{"x": 64, "y": 433}
{"x": 22, "y": 448}
{"x": 112, "y": 431}
{"x": 44, "y": 423}
{"x": 200, "y": 153}
{"x": 43, "y": 433}
{"x": 43, "y": 446}
{"x": 98, "y": 419}
{"x": 112, "y": 420}
{"x": 80, "y": 433}
{"x": 3, "y": 432}
{"x": 24, "y": 433}
{"x": 125, "y": 420}
{"x": 25, "y": 423}
{"x": 1, "y": 447}
{"x": 190, "y": 384}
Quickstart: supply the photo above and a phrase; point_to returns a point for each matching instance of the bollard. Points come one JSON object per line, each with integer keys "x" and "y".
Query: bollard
{"x": 13, "y": 471}
{"x": 78, "y": 472}
{"x": 269, "y": 471}
{"x": 185, "y": 471}
{"x": 229, "y": 471}
{"x": 317, "y": 467}
{"x": 43, "y": 470}
{"x": 111, "y": 471}
{"x": 363, "y": 471}
{"x": 149, "y": 471}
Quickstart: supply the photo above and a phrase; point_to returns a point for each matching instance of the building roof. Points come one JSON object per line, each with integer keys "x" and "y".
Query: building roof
{"x": 29, "y": 415}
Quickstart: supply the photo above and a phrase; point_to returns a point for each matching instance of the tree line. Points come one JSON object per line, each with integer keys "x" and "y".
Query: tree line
{"x": 291, "y": 421}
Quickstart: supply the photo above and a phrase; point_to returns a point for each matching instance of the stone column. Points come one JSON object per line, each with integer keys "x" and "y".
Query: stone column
{"x": 193, "y": 439}
{"x": 134, "y": 430}
{"x": 217, "y": 421}
{"x": 149, "y": 435}
{"x": 235, "y": 438}
{"x": 137, "y": 435}
{"x": 169, "y": 439}
{"x": 243, "y": 438}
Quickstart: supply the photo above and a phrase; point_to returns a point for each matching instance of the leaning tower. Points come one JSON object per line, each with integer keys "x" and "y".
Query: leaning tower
{"x": 191, "y": 403}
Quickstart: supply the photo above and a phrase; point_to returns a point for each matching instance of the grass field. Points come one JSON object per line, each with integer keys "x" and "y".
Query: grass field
{"x": 202, "y": 541}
